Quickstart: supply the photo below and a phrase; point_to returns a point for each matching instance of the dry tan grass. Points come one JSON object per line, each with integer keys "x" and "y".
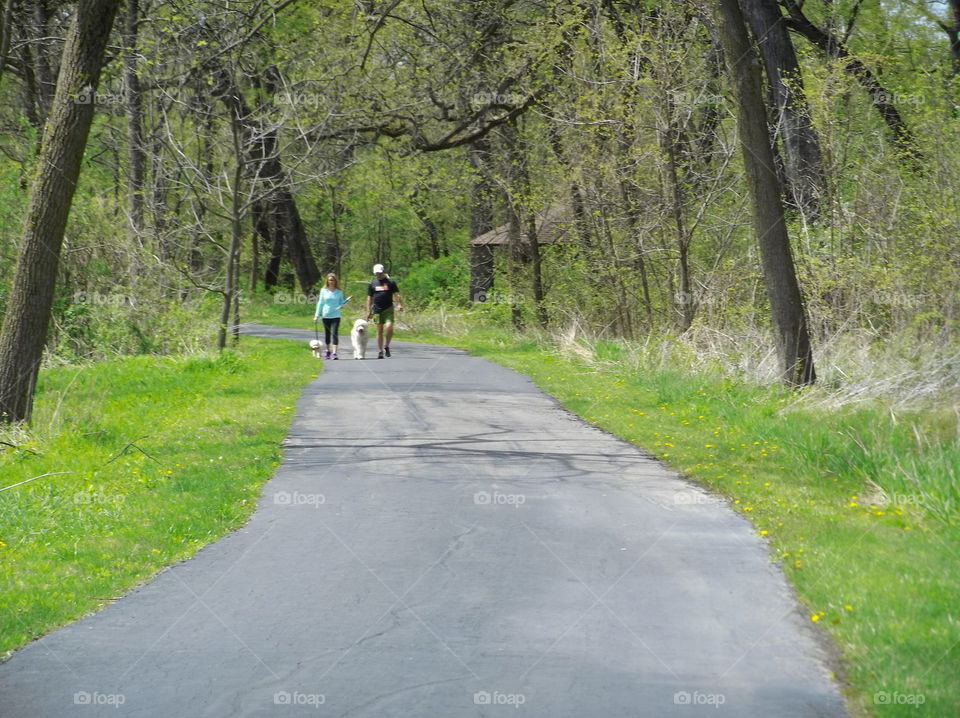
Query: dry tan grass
{"x": 853, "y": 367}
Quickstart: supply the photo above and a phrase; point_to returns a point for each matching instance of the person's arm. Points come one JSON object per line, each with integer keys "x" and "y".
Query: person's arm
{"x": 396, "y": 294}
{"x": 316, "y": 313}
{"x": 369, "y": 300}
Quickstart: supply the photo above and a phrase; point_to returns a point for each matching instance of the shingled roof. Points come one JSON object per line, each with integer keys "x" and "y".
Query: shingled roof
{"x": 553, "y": 224}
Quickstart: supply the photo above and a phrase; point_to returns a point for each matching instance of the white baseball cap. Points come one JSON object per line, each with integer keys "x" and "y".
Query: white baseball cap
{"x": 377, "y": 268}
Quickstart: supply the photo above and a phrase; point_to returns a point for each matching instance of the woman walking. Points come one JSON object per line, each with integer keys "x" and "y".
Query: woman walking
{"x": 328, "y": 308}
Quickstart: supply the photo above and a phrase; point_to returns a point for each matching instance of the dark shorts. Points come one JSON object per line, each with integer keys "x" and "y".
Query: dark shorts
{"x": 383, "y": 317}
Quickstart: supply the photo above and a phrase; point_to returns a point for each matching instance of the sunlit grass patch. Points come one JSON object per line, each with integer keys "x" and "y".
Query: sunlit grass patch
{"x": 141, "y": 461}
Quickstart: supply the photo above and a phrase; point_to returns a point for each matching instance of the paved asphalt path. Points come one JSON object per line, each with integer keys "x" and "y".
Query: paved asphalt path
{"x": 443, "y": 540}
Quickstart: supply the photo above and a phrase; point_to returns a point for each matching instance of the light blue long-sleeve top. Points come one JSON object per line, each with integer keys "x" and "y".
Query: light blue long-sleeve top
{"x": 329, "y": 303}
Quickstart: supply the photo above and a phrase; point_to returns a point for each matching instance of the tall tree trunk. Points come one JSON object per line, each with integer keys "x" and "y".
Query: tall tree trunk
{"x": 46, "y": 76}
{"x": 298, "y": 246}
{"x": 272, "y": 276}
{"x": 433, "y": 234}
{"x": 481, "y": 220}
{"x": 536, "y": 281}
{"x": 136, "y": 154}
{"x": 263, "y": 154}
{"x": 577, "y": 206}
{"x": 159, "y": 187}
{"x": 331, "y": 247}
{"x": 953, "y": 34}
{"x": 28, "y": 309}
{"x": 627, "y": 196}
{"x": 5, "y": 21}
{"x": 260, "y": 236}
{"x": 783, "y": 290}
{"x": 803, "y": 158}
{"x": 232, "y": 280}
{"x": 669, "y": 142}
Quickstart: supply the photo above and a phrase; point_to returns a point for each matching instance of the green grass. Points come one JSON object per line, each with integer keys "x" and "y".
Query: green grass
{"x": 289, "y": 309}
{"x": 879, "y": 575}
{"x": 151, "y": 458}
{"x": 261, "y": 308}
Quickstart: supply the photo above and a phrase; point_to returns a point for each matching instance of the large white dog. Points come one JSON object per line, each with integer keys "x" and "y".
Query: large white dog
{"x": 359, "y": 336}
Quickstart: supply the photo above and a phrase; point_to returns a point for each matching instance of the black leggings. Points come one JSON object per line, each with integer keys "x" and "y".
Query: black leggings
{"x": 331, "y": 327}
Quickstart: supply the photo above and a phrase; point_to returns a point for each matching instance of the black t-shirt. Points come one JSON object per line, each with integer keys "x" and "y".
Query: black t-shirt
{"x": 382, "y": 291}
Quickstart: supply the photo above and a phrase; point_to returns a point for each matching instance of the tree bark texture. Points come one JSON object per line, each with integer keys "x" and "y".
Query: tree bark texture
{"x": 481, "y": 221}
{"x": 28, "y": 310}
{"x": 786, "y": 303}
{"x": 801, "y": 147}
{"x": 136, "y": 153}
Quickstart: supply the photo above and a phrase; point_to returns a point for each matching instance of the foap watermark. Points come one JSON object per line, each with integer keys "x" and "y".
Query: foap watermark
{"x": 95, "y": 698}
{"x": 695, "y": 498}
{"x": 108, "y": 300}
{"x": 695, "y": 98}
{"x": 296, "y": 698}
{"x": 898, "y": 98}
{"x": 88, "y": 96}
{"x": 97, "y": 498}
{"x": 496, "y": 698}
{"x": 495, "y": 498}
{"x": 491, "y": 296}
{"x": 895, "y": 698}
{"x": 294, "y": 298}
{"x": 295, "y": 498}
{"x": 697, "y": 698}
{"x": 295, "y": 99}
{"x": 892, "y": 298}
{"x": 492, "y": 99}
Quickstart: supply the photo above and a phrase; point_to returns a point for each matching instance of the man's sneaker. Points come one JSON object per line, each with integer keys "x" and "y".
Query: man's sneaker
{"x": 335, "y": 356}
{"x": 380, "y": 355}
{"x": 386, "y": 350}
{"x": 326, "y": 355}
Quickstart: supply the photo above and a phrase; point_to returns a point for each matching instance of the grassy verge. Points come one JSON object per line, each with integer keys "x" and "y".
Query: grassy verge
{"x": 146, "y": 460}
{"x": 859, "y": 508}
{"x": 292, "y": 310}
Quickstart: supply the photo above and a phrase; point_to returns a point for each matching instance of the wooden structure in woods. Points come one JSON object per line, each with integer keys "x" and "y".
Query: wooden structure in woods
{"x": 553, "y": 226}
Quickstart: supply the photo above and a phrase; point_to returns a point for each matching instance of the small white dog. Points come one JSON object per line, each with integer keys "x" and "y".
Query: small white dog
{"x": 316, "y": 346}
{"x": 359, "y": 336}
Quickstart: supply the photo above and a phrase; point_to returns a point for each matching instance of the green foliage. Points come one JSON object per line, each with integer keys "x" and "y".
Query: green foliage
{"x": 148, "y": 459}
{"x": 446, "y": 279}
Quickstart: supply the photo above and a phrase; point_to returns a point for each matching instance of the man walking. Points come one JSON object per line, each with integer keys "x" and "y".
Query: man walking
{"x": 380, "y": 293}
